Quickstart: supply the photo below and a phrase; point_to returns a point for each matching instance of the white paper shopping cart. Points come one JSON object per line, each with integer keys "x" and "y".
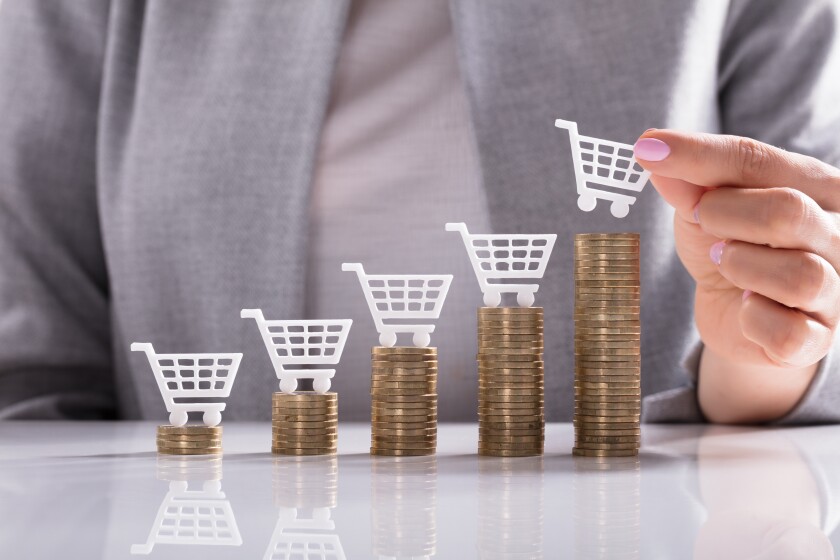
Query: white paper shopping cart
{"x": 402, "y": 297}
{"x": 304, "y": 537}
{"x": 499, "y": 258}
{"x": 192, "y": 376}
{"x": 299, "y": 343}
{"x": 192, "y": 517}
{"x": 605, "y": 163}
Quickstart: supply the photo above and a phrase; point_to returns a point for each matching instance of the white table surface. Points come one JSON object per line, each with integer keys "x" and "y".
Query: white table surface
{"x": 95, "y": 490}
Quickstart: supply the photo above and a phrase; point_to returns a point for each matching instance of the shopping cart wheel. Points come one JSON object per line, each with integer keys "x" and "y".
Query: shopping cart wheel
{"x": 421, "y": 339}
{"x": 525, "y": 299}
{"x": 587, "y": 202}
{"x": 288, "y": 385}
{"x": 388, "y": 339}
{"x": 321, "y": 386}
{"x": 212, "y": 418}
{"x": 492, "y": 299}
{"x": 211, "y": 486}
{"x": 619, "y": 209}
{"x": 178, "y": 417}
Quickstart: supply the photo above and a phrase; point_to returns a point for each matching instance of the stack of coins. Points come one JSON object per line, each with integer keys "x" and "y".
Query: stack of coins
{"x": 607, "y": 345}
{"x": 304, "y": 423}
{"x": 511, "y": 414}
{"x": 403, "y": 507}
{"x": 403, "y": 401}
{"x": 189, "y": 440}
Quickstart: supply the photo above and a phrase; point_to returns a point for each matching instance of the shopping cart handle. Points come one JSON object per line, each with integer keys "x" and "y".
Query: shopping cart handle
{"x": 143, "y": 347}
{"x": 569, "y": 125}
{"x": 353, "y": 267}
{"x": 252, "y": 314}
{"x": 457, "y": 226}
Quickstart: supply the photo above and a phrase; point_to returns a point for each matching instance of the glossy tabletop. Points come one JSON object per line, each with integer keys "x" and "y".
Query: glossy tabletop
{"x": 99, "y": 490}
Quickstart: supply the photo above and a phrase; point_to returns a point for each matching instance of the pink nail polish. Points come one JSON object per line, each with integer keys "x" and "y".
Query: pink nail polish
{"x": 651, "y": 149}
{"x": 716, "y": 252}
{"x": 746, "y": 294}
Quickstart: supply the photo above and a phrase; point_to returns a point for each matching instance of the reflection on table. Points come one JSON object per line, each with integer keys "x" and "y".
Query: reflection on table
{"x": 607, "y": 508}
{"x": 403, "y": 507}
{"x": 187, "y": 516}
{"x": 305, "y": 493}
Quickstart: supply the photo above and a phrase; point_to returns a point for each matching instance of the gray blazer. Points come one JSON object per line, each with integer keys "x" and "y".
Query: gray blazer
{"x": 156, "y": 157}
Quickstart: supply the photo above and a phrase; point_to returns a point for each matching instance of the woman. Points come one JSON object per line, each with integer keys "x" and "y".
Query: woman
{"x": 165, "y": 164}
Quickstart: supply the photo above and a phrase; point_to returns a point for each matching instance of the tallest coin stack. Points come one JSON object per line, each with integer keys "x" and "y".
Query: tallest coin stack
{"x": 607, "y": 345}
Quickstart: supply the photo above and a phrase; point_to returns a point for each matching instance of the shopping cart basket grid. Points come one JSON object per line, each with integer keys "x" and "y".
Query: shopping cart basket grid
{"x": 192, "y": 376}
{"x": 606, "y": 163}
{"x": 393, "y": 297}
{"x": 302, "y": 343}
{"x": 499, "y": 258}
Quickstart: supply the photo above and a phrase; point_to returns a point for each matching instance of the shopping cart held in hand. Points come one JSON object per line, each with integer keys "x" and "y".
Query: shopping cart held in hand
{"x": 605, "y": 163}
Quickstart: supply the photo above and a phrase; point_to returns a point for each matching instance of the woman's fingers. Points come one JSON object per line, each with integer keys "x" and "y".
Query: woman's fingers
{"x": 791, "y": 277}
{"x": 716, "y": 160}
{"x": 781, "y": 217}
{"x": 788, "y": 337}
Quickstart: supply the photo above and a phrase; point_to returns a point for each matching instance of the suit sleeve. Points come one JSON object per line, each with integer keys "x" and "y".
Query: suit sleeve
{"x": 54, "y": 305}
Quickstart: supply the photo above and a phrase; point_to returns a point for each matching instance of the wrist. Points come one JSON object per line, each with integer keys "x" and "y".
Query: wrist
{"x": 730, "y": 392}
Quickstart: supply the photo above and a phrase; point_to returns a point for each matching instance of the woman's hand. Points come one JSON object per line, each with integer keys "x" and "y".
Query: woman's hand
{"x": 759, "y": 230}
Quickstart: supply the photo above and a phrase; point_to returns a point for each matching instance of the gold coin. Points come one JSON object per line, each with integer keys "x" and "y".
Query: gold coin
{"x": 510, "y": 401}
{"x": 409, "y": 383}
{"x": 510, "y": 338}
{"x": 494, "y": 405}
{"x": 304, "y": 432}
{"x": 190, "y": 430}
{"x": 403, "y": 375}
{"x": 510, "y": 310}
{"x": 590, "y": 346}
{"x": 502, "y": 381}
{"x": 584, "y": 423}
{"x": 534, "y": 387}
{"x": 511, "y": 348}
{"x": 301, "y": 405}
{"x": 586, "y": 432}
{"x": 490, "y": 329}
{"x": 514, "y": 353}
{"x": 599, "y": 395}
{"x": 510, "y": 420}
{"x": 201, "y": 438}
{"x": 517, "y": 368}
{"x": 393, "y": 399}
{"x": 608, "y": 237}
{"x": 298, "y": 452}
{"x": 304, "y": 421}
{"x": 588, "y": 323}
{"x": 500, "y": 438}
{"x": 631, "y": 276}
{"x": 607, "y": 408}
{"x": 486, "y": 445}
{"x": 607, "y": 388}
{"x": 188, "y": 444}
{"x": 385, "y": 367}
{"x": 606, "y": 446}
{"x": 604, "y": 440}
{"x": 624, "y": 267}
{"x": 606, "y": 418}
{"x": 393, "y": 445}
{"x": 398, "y": 442}
{"x": 509, "y": 453}
{"x": 385, "y": 405}
{"x": 604, "y": 453}
{"x": 511, "y": 392}
{"x": 291, "y": 444}
{"x": 406, "y": 415}
{"x": 407, "y": 432}
{"x": 605, "y": 315}
{"x": 403, "y": 423}
{"x": 425, "y": 389}
{"x": 507, "y": 431}
{"x": 594, "y": 352}
{"x": 401, "y": 452}
{"x": 203, "y": 451}
{"x": 602, "y": 374}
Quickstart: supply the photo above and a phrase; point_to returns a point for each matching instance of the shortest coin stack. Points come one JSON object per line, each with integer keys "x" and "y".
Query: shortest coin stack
{"x": 189, "y": 440}
{"x": 403, "y": 401}
{"x": 304, "y": 423}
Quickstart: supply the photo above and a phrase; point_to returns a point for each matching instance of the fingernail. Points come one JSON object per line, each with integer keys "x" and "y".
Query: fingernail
{"x": 651, "y": 149}
{"x": 716, "y": 252}
{"x": 746, "y": 294}
{"x": 697, "y": 213}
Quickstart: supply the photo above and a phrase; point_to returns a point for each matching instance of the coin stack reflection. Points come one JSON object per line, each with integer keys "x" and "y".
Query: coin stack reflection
{"x": 510, "y": 508}
{"x": 511, "y": 418}
{"x": 403, "y": 401}
{"x": 304, "y": 423}
{"x": 403, "y": 506}
{"x": 607, "y": 508}
{"x": 607, "y": 345}
{"x": 189, "y": 440}
{"x": 305, "y": 482}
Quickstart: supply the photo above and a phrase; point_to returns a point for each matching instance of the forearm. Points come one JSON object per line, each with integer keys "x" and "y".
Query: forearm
{"x": 731, "y": 393}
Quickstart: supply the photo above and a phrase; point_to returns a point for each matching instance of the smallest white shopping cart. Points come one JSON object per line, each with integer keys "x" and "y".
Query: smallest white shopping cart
{"x": 184, "y": 377}
{"x": 402, "y": 297}
{"x": 605, "y": 163}
{"x": 192, "y": 517}
{"x": 305, "y": 535}
{"x": 498, "y": 259}
{"x": 299, "y": 343}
